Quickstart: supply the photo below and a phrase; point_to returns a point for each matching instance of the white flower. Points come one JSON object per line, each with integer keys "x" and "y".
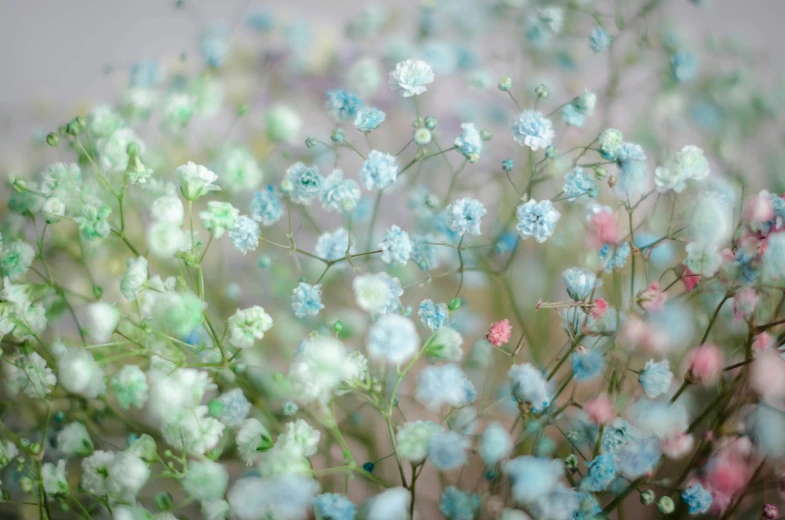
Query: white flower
{"x": 8, "y": 451}
{"x": 53, "y": 209}
{"x": 74, "y": 440}
{"x": 372, "y": 292}
{"x": 711, "y": 221}
{"x": 172, "y": 392}
{"x": 54, "y": 479}
{"x": 301, "y": 435}
{"x": 169, "y": 209}
{"x": 30, "y": 374}
{"x": 285, "y": 498}
{"x": 205, "y": 480}
{"x": 689, "y": 163}
{"x": 193, "y": 431}
{"x": 248, "y": 325}
{"x": 410, "y": 77}
{"x": 134, "y": 278}
{"x": 215, "y": 510}
{"x": 127, "y": 475}
{"x": 319, "y": 368}
{"x": 445, "y": 344}
{"x": 702, "y": 259}
{"x": 195, "y": 180}
{"x": 166, "y": 240}
{"x": 252, "y": 437}
{"x": 102, "y": 319}
{"x": 80, "y": 374}
{"x": 393, "y": 504}
{"x": 95, "y": 472}
{"x": 412, "y": 439}
{"x": 393, "y": 339}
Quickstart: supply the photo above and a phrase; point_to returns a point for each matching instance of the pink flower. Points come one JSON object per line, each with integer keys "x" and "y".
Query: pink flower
{"x": 767, "y": 376}
{"x": 499, "y": 333}
{"x": 744, "y": 303}
{"x": 758, "y": 210}
{"x": 705, "y": 363}
{"x": 689, "y": 279}
{"x": 600, "y": 410}
{"x": 637, "y": 333}
{"x": 599, "y": 308}
{"x": 762, "y": 341}
{"x": 652, "y": 299}
{"x": 602, "y": 229}
{"x": 678, "y": 446}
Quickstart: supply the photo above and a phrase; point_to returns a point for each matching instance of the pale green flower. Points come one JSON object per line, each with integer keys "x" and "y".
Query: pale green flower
{"x": 15, "y": 259}
{"x": 135, "y": 277}
{"x": 219, "y": 217}
{"x": 54, "y": 478}
{"x": 238, "y": 169}
{"x": 130, "y": 386}
{"x": 248, "y": 325}
{"x": 93, "y": 221}
{"x": 283, "y": 124}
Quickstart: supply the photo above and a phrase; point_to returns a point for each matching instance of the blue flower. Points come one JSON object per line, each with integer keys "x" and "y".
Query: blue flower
{"x": 266, "y": 206}
{"x": 235, "y": 407}
{"x": 602, "y": 471}
{"x": 379, "y": 170}
{"x": 580, "y": 282}
{"x": 396, "y": 290}
{"x": 457, "y": 505}
{"x": 560, "y": 503}
{"x": 638, "y": 457}
{"x": 444, "y": 385}
{"x": 618, "y": 434}
{"x": 261, "y": 20}
{"x": 532, "y": 477}
{"x": 588, "y": 507}
{"x": 368, "y": 119}
{"x": 214, "y": 44}
{"x": 530, "y": 386}
{"x": 146, "y": 73}
{"x": 684, "y": 66}
{"x": 614, "y": 256}
{"x": 537, "y": 219}
{"x": 632, "y": 162}
{"x": 469, "y": 143}
{"x": 599, "y": 40}
{"x": 572, "y": 116}
{"x": 447, "y": 450}
{"x": 339, "y": 194}
{"x": 656, "y": 378}
{"x": 495, "y": 443}
{"x": 245, "y": 234}
{"x": 343, "y": 105}
{"x": 587, "y": 364}
{"x": 533, "y": 129}
{"x": 307, "y": 300}
{"x": 332, "y": 246}
{"x": 306, "y": 183}
{"x": 433, "y": 315}
{"x": 697, "y": 498}
{"x": 332, "y": 506}
{"x": 396, "y": 246}
{"x": 465, "y": 215}
{"x": 424, "y": 254}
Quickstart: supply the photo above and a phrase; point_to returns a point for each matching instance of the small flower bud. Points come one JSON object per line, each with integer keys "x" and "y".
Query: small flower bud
{"x": 507, "y": 165}
{"x": 132, "y": 149}
{"x": 337, "y": 135}
{"x": 311, "y": 141}
{"x": 431, "y": 122}
{"x": 52, "y": 139}
{"x": 53, "y": 209}
{"x": 542, "y": 91}
{"x": 666, "y": 505}
{"x": 550, "y": 152}
{"x": 647, "y": 497}
{"x": 73, "y": 129}
{"x": 455, "y": 304}
{"x": 418, "y": 122}
{"x": 432, "y": 201}
{"x": 263, "y": 261}
{"x": 215, "y": 408}
{"x": 242, "y": 109}
{"x": 337, "y": 327}
{"x": 422, "y": 136}
{"x": 769, "y": 512}
{"x": 368, "y": 467}
{"x": 505, "y": 84}
{"x": 81, "y": 121}
{"x": 485, "y": 135}
{"x": 571, "y": 461}
{"x": 612, "y": 181}
{"x": 163, "y": 501}
{"x": 600, "y": 173}
{"x": 19, "y": 185}
{"x": 98, "y": 291}
{"x": 286, "y": 186}
{"x": 473, "y": 158}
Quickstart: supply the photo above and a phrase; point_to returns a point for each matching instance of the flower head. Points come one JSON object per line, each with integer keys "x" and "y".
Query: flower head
{"x": 537, "y": 219}
{"x": 195, "y": 180}
{"x": 532, "y": 129}
{"x": 411, "y": 77}
{"x": 379, "y": 170}
{"x": 465, "y": 215}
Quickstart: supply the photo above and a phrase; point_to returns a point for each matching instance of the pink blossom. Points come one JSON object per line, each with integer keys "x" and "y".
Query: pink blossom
{"x": 602, "y": 229}
{"x": 600, "y": 410}
{"x": 758, "y": 210}
{"x": 499, "y": 333}
{"x": 652, "y": 299}
{"x": 705, "y": 363}
{"x": 762, "y": 341}
{"x": 689, "y": 279}
{"x": 637, "y": 333}
{"x": 678, "y": 446}
{"x": 599, "y": 308}
{"x": 744, "y": 303}
{"x": 767, "y": 376}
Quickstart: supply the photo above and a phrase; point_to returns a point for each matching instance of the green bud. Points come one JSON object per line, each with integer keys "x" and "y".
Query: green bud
{"x": 26, "y": 484}
{"x": 418, "y": 122}
{"x": 163, "y": 501}
{"x": 81, "y": 121}
{"x": 485, "y": 135}
{"x": 311, "y": 142}
{"x": 455, "y": 304}
{"x": 431, "y": 200}
{"x": 600, "y": 173}
{"x": 431, "y": 122}
{"x": 647, "y": 497}
{"x": 422, "y": 136}
{"x": 242, "y": 109}
{"x": 73, "y": 129}
{"x": 542, "y": 91}
{"x": 35, "y": 448}
{"x": 337, "y": 327}
{"x": 52, "y": 139}
{"x": 571, "y": 461}
{"x": 620, "y": 22}
{"x": 132, "y": 149}
{"x": 337, "y": 135}
{"x": 666, "y": 505}
{"x": 263, "y": 261}
{"x": 550, "y": 152}
{"x": 473, "y": 157}
{"x": 505, "y": 84}
{"x": 278, "y": 377}
{"x": 215, "y": 408}
{"x": 98, "y": 291}
{"x": 19, "y": 185}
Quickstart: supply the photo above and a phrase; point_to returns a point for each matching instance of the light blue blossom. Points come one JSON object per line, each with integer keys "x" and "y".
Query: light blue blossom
{"x": 469, "y": 143}
{"x": 614, "y": 257}
{"x": 560, "y": 503}
{"x": 266, "y": 206}
{"x": 379, "y": 170}
{"x": 245, "y": 234}
{"x": 235, "y": 408}
{"x": 440, "y": 385}
{"x": 465, "y": 215}
{"x": 706, "y": 260}
{"x": 332, "y": 506}
{"x": 580, "y": 282}
{"x": 632, "y": 164}
{"x": 602, "y": 471}
{"x": 396, "y": 290}
{"x": 530, "y": 386}
{"x": 458, "y": 505}
{"x": 588, "y": 507}
{"x": 599, "y": 40}
{"x": 532, "y": 477}
{"x": 638, "y": 457}
{"x": 537, "y": 219}
{"x": 307, "y": 300}
{"x": 396, "y": 246}
{"x": 146, "y": 73}
{"x": 339, "y": 194}
{"x": 424, "y": 253}
{"x": 578, "y": 185}
{"x": 587, "y": 364}
{"x": 393, "y": 339}
{"x": 433, "y": 315}
{"x": 533, "y": 129}
{"x": 684, "y": 66}
{"x": 214, "y": 44}
{"x": 410, "y": 77}
{"x": 306, "y": 183}
{"x": 447, "y": 450}
{"x": 332, "y": 246}
{"x": 343, "y": 105}
{"x": 495, "y": 443}
{"x": 369, "y": 119}
{"x": 697, "y": 498}
{"x": 656, "y": 378}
